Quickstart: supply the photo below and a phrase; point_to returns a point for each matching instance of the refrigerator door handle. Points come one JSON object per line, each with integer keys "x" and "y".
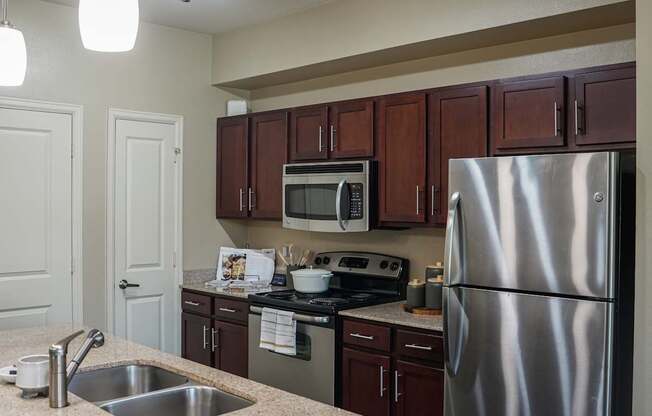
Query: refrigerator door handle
{"x": 456, "y": 330}
{"x": 451, "y": 228}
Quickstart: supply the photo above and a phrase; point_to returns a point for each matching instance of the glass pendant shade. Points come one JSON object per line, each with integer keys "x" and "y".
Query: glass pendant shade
{"x": 13, "y": 56}
{"x": 108, "y": 25}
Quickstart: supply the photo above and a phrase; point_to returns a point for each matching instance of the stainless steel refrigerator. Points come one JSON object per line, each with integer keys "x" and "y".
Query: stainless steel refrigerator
{"x": 538, "y": 296}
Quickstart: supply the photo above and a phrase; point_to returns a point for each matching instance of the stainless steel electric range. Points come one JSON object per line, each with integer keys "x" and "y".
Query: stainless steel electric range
{"x": 359, "y": 279}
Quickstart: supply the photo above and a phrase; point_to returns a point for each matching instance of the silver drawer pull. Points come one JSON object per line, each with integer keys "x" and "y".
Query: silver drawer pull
{"x": 419, "y": 347}
{"x": 191, "y": 303}
{"x": 227, "y": 310}
{"x": 356, "y": 335}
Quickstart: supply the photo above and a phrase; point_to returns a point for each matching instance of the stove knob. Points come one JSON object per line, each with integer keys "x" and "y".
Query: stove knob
{"x": 317, "y": 261}
{"x": 393, "y": 267}
{"x": 327, "y": 260}
{"x": 384, "y": 264}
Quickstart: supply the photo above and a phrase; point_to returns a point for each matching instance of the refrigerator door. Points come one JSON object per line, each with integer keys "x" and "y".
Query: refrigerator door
{"x": 533, "y": 223}
{"x": 517, "y": 354}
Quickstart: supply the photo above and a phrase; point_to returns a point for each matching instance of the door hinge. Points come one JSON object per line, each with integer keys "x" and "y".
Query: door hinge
{"x": 72, "y": 265}
{"x": 174, "y": 260}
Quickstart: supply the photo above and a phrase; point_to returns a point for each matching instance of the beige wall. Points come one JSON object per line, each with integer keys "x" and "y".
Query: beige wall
{"x": 168, "y": 72}
{"x": 342, "y": 29}
{"x": 643, "y": 303}
{"x": 423, "y": 246}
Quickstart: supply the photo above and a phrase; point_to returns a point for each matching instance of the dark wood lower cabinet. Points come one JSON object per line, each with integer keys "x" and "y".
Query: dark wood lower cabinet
{"x": 396, "y": 382}
{"x": 195, "y": 334}
{"x": 231, "y": 348}
{"x": 365, "y": 382}
{"x": 420, "y": 389}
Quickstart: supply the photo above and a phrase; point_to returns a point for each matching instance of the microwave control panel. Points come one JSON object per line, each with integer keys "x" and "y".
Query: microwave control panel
{"x": 357, "y": 195}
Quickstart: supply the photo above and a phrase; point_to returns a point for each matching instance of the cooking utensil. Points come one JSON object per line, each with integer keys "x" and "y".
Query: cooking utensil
{"x": 311, "y": 280}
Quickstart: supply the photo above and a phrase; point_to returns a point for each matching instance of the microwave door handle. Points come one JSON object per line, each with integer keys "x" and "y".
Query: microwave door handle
{"x": 338, "y": 204}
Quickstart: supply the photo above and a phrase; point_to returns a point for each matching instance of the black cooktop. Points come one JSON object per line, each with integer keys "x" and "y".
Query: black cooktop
{"x": 329, "y": 302}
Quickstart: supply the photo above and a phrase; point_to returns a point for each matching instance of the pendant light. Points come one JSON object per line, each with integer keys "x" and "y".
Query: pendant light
{"x": 108, "y": 25}
{"x": 12, "y": 52}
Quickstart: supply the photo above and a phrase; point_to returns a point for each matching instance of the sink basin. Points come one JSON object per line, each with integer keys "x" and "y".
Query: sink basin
{"x": 181, "y": 401}
{"x": 123, "y": 381}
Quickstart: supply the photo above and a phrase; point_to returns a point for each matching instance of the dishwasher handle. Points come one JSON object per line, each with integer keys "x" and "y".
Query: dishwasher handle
{"x": 309, "y": 319}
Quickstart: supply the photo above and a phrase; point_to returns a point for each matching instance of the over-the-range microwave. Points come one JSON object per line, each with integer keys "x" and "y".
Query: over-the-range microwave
{"x": 329, "y": 196}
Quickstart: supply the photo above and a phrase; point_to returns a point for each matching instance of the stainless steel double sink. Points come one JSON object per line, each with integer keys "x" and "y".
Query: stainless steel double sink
{"x": 142, "y": 390}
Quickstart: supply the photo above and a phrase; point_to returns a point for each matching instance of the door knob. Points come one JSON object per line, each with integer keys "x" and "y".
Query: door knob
{"x": 124, "y": 284}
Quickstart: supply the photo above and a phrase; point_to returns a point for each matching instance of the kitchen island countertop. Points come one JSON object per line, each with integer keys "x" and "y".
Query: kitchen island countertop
{"x": 116, "y": 351}
{"x": 393, "y": 313}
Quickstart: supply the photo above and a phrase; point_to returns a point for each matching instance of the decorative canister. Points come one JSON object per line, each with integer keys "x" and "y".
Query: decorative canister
{"x": 435, "y": 270}
{"x": 416, "y": 294}
{"x": 433, "y": 292}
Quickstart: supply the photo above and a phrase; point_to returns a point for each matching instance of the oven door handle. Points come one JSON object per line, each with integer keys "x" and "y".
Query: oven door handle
{"x": 309, "y": 319}
{"x": 338, "y": 204}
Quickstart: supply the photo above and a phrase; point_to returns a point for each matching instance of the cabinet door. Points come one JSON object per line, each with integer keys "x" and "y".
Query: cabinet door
{"x": 351, "y": 129}
{"x": 457, "y": 128}
{"x": 195, "y": 338}
{"x": 230, "y": 348}
{"x": 268, "y": 154}
{"x": 232, "y": 135}
{"x": 308, "y": 136}
{"x": 402, "y": 158}
{"x": 529, "y": 114}
{"x": 419, "y": 390}
{"x": 365, "y": 383}
{"x": 605, "y": 107}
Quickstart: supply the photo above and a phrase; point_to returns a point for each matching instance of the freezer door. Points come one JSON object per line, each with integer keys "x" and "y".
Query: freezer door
{"x": 533, "y": 223}
{"x": 518, "y": 354}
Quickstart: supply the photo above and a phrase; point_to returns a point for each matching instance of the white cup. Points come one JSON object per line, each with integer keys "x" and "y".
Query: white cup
{"x": 32, "y": 372}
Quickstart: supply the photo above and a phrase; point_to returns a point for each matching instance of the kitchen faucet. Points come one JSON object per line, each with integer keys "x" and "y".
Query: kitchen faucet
{"x": 60, "y": 374}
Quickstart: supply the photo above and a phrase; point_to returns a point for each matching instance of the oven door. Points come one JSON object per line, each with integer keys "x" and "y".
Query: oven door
{"x": 311, "y": 373}
{"x": 328, "y": 203}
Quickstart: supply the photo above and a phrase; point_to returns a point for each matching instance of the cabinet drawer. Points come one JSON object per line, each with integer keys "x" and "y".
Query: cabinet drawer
{"x": 419, "y": 345}
{"x": 231, "y": 309}
{"x": 366, "y": 335}
{"x": 192, "y": 302}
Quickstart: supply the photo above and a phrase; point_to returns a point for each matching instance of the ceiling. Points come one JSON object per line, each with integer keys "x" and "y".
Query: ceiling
{"x": 214, "y": 16}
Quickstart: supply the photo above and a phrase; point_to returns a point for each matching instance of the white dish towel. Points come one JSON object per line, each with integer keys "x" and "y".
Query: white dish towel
{"x": 278, "y": 331}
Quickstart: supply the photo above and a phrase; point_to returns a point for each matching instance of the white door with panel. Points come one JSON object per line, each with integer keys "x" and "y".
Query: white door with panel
{"x": 35, "y": 218}
{"x": 145, "y": 198}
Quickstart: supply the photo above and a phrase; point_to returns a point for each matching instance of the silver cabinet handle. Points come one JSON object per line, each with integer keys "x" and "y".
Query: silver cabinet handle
{"x": 205, "y": 340}
{"x": 367, "y": 337}
{"x": 227, "y": 310}
{"x": 432, "y": 201}
{"x": 191, "y": 303}
{"x": 213, "y": 344}
{"x": 249, "y": 198}
{"x": 578, "y": 129}
{"x": 419, "y": 347}
{"x": 417, "y": 199}
{"x": 396, "y": 393}
{"x": 556, "y": 119}
{"x": 241, "y": 198}
{"x": 332, "y": 138}
{"x": 320, "y": 142}
{"x": 382, "y": 381}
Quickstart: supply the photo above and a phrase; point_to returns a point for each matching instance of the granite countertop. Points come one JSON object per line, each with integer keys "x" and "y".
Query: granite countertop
{"x": 17, "y": 343}
{"x": 234, "y": 293}
{"x": 393, "y": 313}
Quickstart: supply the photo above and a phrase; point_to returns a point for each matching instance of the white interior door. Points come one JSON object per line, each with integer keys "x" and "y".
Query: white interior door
{"x": 35, "y": 218}
{"x": 145, "y": 200}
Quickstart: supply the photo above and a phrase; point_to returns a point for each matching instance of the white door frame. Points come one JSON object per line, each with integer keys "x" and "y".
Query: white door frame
{"x": 177, "y": 121}
{"x": 77, "y": 114}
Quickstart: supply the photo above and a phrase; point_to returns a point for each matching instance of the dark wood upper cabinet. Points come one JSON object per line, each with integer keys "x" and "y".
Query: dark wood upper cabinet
{"x": 309, "y": 133}
{"x": 231, "y": 348}
{"x": 195, "y": 338}
{"x": 402, "y": 158}
{"x": 529, "y": 114}
{"x": 268, "y": 153}
{"x": 351, "y": 129}
{"x": 365, "y": 383}
{"x": 457, "y": 128}
{"x": 231, "y": 182}
{"x": 420, "y": 389}
{"x": 604, "y": 108}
